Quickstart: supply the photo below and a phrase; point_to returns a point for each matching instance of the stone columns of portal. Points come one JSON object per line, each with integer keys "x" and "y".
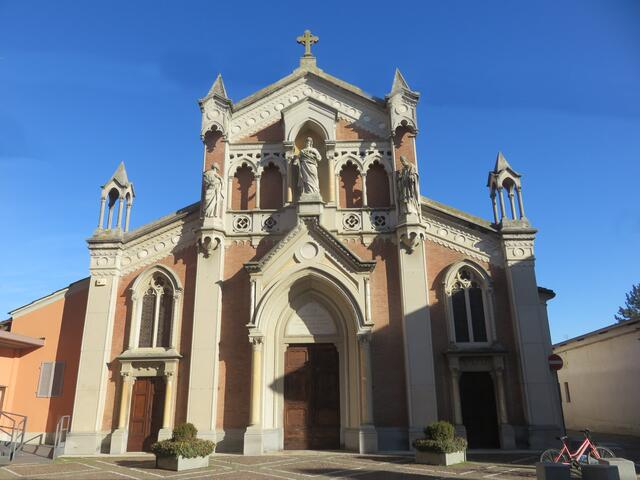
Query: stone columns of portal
{"x": 253, "y": 437}
{"x": 256, "y": 384}
{"x": 168, "y": 401}
{"x": 455, "y": 395}
{"x": 125, "y": 399}
{"x": 167, "y": 412}
{"x": 366, "y": 391}
{"x": 120, "y": 436}
{"x": 507, "y": 433}
{"x": 368, "y": 435}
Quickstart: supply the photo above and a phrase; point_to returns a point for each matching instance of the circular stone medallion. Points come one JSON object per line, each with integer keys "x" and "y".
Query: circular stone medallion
{"x": 309, "y": 251}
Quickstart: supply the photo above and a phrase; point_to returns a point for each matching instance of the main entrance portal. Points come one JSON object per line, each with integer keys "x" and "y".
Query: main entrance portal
{"x": 311, "y": 397}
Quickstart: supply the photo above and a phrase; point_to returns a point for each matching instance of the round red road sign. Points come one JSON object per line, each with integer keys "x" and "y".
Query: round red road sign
{"x": 555, "y": 362}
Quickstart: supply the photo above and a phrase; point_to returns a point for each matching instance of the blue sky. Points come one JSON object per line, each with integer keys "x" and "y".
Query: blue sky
{"x": 554, "y": 85}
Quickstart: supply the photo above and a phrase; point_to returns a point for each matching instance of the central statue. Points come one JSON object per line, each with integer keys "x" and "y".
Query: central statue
{"x": 307, "y": 162}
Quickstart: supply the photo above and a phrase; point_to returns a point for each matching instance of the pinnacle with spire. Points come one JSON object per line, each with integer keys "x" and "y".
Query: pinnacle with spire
{"x": 502, "y": 164}
{"x": 399, "y": 82}
{"x": 119, "y": 176}
{"x": 218, "y": 88}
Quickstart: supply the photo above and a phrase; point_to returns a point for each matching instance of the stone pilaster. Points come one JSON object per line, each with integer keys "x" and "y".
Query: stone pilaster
{"x": 203, "y": 371}
{"x": 542, "y": 408}
{"x": 86, "y": 433}
{"x": 120, "y": 436}
{"x": 419, "y": 361}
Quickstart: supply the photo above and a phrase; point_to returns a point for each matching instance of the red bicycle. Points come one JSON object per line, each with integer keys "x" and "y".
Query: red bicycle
{"x": 587, "y": 452}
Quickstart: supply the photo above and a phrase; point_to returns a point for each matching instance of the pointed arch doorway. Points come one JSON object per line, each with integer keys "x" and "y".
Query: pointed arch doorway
{"x": 312, "y": 363}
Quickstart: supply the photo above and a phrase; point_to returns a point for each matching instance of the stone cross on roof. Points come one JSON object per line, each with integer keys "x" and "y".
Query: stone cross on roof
{"x": 307, "y": 39}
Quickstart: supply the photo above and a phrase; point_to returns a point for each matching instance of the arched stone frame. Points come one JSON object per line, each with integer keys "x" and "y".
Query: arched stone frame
{"x": 376, "y": 157}
{"x": 272, "y": 315}
{"x": 322, "y": 120}
{"x": 137, "y": 295}
{"x": 368, "y": 162}
{"x": 342, "y": 160}
{"x": 324, "y": 127}
{"x": 338, "y": 164}
{"x": 263, "y": 164}
{"x": 236, "y": 164}
{"x": 486, "y": 286}
{"x": 339, "y": 181}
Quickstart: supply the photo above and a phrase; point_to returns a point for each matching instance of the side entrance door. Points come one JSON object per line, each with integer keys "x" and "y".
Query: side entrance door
{"x": 479, "y": 414}
{"x": 311, "y": 397}
{"x": 145, "y": 420}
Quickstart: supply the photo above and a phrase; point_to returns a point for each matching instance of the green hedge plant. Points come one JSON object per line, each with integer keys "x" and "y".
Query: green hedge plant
{"x": 440, "y": 438}
{"x": 184, "y": 444}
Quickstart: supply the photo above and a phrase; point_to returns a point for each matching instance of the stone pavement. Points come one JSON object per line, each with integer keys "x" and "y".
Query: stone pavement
{"x": 286, "y": 465}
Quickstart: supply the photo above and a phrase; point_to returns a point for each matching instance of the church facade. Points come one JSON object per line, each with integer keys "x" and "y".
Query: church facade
{"x": 313, "y": 298}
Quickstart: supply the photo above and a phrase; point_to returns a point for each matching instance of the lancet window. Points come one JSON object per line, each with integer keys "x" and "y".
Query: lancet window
{"x": 155, "y": 310}
{"x": 470, "y": 309}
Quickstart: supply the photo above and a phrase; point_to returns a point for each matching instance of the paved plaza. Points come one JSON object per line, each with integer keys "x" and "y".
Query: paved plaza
{"x": 294, "y": 465}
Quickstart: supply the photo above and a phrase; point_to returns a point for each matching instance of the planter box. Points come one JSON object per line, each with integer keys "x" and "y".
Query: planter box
{"x": 431, "y": 458}
{"x": 626, "y": 468}
{"x": 177, "y": 464}
{"x": 553, "y": 471}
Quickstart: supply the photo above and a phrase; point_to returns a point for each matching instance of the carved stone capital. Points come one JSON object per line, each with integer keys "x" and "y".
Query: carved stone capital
{"x": 364, "y": 338}
{"x": 207, "y": 244}
{"x": 411, "y": 239}
{"x": 256, "y": 341}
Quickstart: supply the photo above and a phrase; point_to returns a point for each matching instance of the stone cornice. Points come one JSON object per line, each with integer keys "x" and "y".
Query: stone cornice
{"x": 459, "y": 237}
{"x": 262, "y": 110}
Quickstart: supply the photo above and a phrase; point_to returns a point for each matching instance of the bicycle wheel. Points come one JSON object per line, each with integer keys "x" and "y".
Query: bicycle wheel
{"x": 603, "y": 452}
{"x": 552, "y": 455}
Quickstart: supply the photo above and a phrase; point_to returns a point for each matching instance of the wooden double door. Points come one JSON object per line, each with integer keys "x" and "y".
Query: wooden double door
{"x": 311, "y": 397}
{"x": 145, "y": 419}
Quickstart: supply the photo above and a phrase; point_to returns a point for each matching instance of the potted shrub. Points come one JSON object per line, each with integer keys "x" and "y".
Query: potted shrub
{"x": 183, "y": 450}
{"x": 440, "y": 445}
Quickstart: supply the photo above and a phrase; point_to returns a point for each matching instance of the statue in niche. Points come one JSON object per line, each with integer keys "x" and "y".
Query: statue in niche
{"x": 213, "y": 192}
{"x": 407, "y": 181}
{"x": 307, "y": 162}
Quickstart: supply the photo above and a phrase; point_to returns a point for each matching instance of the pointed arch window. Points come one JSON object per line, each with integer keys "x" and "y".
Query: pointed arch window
{"x": 470, "y": 311}
{"x": 155, "y": 312}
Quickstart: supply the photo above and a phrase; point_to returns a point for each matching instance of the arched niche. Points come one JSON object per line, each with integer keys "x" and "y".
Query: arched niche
{"x": 313, "y": 130}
